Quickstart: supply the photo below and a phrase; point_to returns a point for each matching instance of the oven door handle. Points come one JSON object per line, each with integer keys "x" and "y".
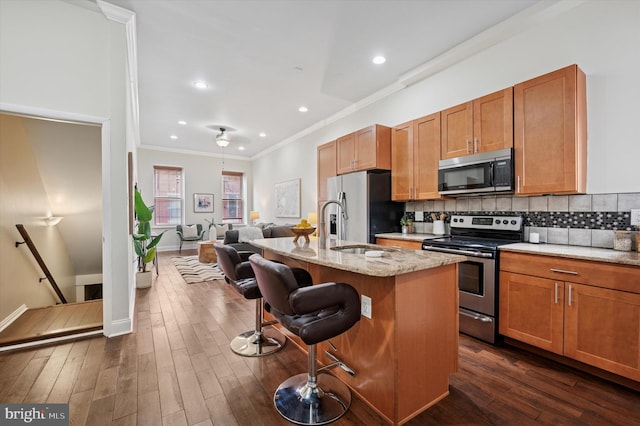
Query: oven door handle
{"x": 477, "y": 317}
{"x": 456, "y": 251}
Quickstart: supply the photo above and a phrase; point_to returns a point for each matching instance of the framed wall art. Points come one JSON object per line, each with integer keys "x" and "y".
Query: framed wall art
{"x": 202, "y": 203}
{"x": 288, "y": 198}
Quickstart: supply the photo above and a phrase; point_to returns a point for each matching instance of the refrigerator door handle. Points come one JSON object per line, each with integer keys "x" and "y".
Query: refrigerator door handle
{"x": 342, "y": 222}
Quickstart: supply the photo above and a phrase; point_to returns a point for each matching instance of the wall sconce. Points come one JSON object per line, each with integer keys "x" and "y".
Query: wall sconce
{"x": 52, "y": 220}
{"x": 254, "y": 216}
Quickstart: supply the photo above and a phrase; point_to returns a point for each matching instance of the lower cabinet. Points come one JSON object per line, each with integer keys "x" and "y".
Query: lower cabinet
{"x": 413, "y": 245}
{"x": 588, "y": 322}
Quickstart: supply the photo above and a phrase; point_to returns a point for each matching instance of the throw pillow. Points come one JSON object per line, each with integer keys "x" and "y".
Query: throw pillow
{"x": 249, "y": 233}
{"x": 221, "y": 229}
{"x": 189, "y": 231}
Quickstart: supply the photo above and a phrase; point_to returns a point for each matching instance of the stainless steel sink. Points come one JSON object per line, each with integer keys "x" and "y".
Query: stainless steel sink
{"x": 361, "y": 249}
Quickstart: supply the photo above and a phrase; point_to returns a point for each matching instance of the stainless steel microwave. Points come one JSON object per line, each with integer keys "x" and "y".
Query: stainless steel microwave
{"x": 486, "y": 172}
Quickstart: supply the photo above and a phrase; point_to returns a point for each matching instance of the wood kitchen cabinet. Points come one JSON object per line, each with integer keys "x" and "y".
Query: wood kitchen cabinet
{"x": 415, "y": 152}
{"x": 550, "y": 127}
{"x": 326, "y": 168}
{"x": 368, "y": 148}
{"x": 482, "y": 125}
{"x": 584, "y": 310}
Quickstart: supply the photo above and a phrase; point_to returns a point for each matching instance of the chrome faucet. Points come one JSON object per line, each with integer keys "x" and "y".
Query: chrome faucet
{"x": 322, "y": 241}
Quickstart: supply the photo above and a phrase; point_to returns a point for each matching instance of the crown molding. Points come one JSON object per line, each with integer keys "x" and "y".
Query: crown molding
{"x": 195, "y": 152}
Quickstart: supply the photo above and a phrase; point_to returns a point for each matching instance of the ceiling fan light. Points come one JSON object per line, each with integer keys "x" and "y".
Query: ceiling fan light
{"x": 222, "y": 139}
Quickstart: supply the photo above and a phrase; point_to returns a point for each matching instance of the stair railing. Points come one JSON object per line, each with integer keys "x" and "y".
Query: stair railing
{"x": 43, "y": 266}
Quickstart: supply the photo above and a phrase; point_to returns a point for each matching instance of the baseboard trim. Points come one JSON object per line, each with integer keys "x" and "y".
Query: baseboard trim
{"x": 120, "y": 327}
{"x": 12, "y": 317}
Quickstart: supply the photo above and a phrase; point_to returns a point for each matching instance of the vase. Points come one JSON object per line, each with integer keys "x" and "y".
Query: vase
{"x": 405, "y": 229}
{"x": 144, "y": 279}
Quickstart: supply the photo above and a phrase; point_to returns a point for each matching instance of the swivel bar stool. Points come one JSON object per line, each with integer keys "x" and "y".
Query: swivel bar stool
{"x": 239, "y": 274}
{"x": 315, "y": 314}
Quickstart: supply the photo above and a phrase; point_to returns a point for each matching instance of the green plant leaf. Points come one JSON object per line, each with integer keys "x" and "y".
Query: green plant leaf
{"x": 142, "y": 211}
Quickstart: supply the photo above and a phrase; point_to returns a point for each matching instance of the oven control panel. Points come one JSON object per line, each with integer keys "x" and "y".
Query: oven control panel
{"x": 503, "y": 223}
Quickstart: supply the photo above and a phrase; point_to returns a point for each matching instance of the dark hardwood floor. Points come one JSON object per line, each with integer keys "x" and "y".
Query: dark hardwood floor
{"x": 176, "y": 368}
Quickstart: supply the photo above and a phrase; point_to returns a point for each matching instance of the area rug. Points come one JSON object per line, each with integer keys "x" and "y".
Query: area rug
{"x": 193, "y": 271}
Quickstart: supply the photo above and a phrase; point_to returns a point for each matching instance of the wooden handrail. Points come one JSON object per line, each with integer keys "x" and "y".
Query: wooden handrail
{"x": 40, "y": 261}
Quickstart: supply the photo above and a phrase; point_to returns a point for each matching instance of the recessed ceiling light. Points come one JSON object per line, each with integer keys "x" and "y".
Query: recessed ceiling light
{"x": 303, "y": 109}
{"x": 182, "y": 123}
{"x": 241, "y": 148}
{"x": 262, "y": 135}
{"x": 379, "y": 60}
{"x": 201, "y": 84}
{"x": 173, "y": 137}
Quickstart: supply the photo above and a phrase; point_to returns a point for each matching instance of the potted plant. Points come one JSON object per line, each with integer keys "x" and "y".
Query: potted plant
{"x": 143, "y": 242}
{"x": 407, "y": 225}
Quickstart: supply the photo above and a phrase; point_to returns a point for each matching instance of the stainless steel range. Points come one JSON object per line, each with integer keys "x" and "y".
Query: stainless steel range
{"x": 478, "y": 238}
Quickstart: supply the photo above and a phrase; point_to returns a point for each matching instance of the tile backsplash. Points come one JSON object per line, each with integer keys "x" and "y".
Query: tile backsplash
{"x": 582, "y": 220}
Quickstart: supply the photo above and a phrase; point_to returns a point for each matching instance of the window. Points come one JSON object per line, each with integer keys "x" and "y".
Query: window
{"x": 232, "y": 208}
{"x": 168, "y": 199}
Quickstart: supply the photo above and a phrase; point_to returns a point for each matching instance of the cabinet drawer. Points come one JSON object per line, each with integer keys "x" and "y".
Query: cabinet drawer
{"x": 413, "y": 245}
{"x": 600, "y": 274}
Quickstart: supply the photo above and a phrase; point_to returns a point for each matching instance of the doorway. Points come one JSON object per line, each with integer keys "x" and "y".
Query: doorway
{"x": 51, "y": 168}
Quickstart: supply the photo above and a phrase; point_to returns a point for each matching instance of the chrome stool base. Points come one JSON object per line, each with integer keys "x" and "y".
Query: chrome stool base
{"x": 253, "y": 344}
{"x": 303, "y": 402}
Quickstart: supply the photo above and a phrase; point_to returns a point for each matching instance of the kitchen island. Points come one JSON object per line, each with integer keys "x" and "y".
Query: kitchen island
{"x": 405, "y": 345}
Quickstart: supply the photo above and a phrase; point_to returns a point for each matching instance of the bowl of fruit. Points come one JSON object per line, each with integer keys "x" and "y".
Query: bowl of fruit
{"x": 303, "y": 229}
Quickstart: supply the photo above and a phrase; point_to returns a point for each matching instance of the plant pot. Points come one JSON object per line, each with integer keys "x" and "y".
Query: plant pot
{"x": 405, "y": 229}
{"x": 144, "y": 279}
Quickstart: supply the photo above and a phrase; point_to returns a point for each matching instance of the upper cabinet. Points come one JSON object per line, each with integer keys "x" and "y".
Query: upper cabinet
{"x": 482, "y": 125}
{"x": 550, "y": 125}
{"x": 326, "y": 168}
{"x": 415, "y": 151}
{"x": 369, "y": 148}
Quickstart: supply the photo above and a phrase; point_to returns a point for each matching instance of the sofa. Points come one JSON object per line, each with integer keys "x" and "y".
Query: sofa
{"x": 240, "y": 238}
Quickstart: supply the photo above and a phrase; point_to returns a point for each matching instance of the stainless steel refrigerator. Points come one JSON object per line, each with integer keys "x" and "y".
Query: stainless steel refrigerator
{"x": 369, "y": 209}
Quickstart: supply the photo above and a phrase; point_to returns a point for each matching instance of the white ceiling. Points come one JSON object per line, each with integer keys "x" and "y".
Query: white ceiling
{"x": 263, "y": 59}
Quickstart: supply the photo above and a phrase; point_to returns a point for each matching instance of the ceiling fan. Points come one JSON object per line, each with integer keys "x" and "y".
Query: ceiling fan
{"x": 222, "y": 139}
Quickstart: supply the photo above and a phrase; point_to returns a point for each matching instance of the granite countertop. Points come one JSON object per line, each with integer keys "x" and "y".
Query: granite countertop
{"x": 577, "y": 252}
{"x": 408, "y": 237}
{"x": 394, "y": 261}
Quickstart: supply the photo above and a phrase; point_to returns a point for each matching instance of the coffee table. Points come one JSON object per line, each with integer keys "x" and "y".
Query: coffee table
{"x": 206, "y": 252}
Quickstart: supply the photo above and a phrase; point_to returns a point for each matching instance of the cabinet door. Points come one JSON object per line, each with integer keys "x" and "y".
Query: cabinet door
{"x": 346, "y": 153}
{"x": 531, "y": 310}
{"x": 326, "y": 167}
{"x": 493, "y": 121}
{"x": 457, "y": 131}
{"x": 366, "y": 148}
{"x": 426, "y": 154}
{"x": 373, "y": 148}
{"x": 602, "y": 328}
{"x": 550, "y": 133}
{"x": 402, "y": 162}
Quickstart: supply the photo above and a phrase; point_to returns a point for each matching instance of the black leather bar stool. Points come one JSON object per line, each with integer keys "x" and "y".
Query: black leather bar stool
{"x": 315, "y": 314}
{"x": 239, "y": 274}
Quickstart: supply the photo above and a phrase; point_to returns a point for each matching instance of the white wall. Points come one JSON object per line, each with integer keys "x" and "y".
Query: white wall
{"x": 603, "y": 38}
{"x": 65, "y": 60}
{"x": 201, "y": 173}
